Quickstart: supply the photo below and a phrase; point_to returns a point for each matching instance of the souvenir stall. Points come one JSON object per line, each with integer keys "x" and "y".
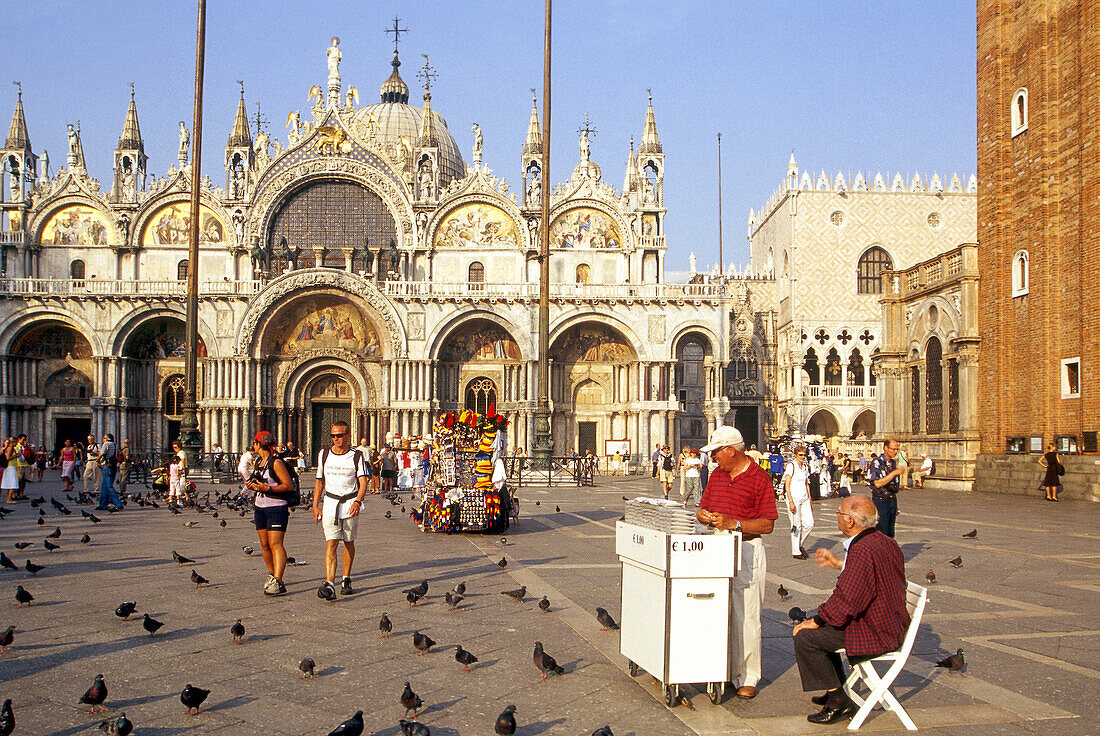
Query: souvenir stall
{"x": 465, "y": 489}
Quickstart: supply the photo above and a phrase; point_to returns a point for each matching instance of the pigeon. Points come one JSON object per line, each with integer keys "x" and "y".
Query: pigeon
{"x": 783, "y": 592}
{"x": 414, "y": 728}
{"x": 410, "y": 700}
{"x": 544, "y": 605}
{"x": 222, "y": 524}
{"x": 7, "y": 719}
{"x": 421, "y": 590}
{"x": 55, "y": 534}
{"x": 24, "y": 597}
{"x": 412, "y": 598}
{"x": 84, "y": 513}
{"x": 126, "y": 609}
{"x": 150, "y": 624}
{"x": 930, "y": 577}
{"x": 41, "y": 521}
{"x": 50, "y": 546}
{"x": 538, "y": 503}
{"x": 247, "y": 551}
{"x": 453, "y": 599}
{"x": 463, "y": 657}
{"x": 558, "y": 509}
{"x": 506, "y": 722}
{"x": 503, "y": 563}
{"x": 6, "y": 639}
{"x": 422, "y": 642}
{"x": 605, "y": 619}
{"x": 545, "y": 662}
{"x": 94, "y": 519}
{"x": 351, "y": 727}
{"x": 503, "y": 541}
{"x": 5, "y": 561}
{"x": 384, "y": 626}
{"x": 121, "y": 726}
{"x": 953, "y": 663}
{"x": 389, "y": 514}
{"x": 190, "y": 524}
{"x": 957, "y": 562}
{"x": 306, "y": 666}
{"x": 517, "y": 595}
{"x": 32, "y": 568}
{"x": 197, "y": 579}
{"x": 96, "y": 694}
{"x": 237, "y": 630}
{"x": 797, "y": 615}
{"x": 85, "y": 539}
{"x": 23, "y": 545}
{"x": 460, "y": 588}
{"x": 193, "y": 697}
{"x": 603, "y": 731}
{"x": 40, "y": 512}
{"x": 292, "y": 561}
{"x": 180, "y": 559}
{"x": 972, "y": 534}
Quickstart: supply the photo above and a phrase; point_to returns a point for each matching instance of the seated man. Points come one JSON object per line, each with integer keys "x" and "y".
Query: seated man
{"x": 865, "y": 615}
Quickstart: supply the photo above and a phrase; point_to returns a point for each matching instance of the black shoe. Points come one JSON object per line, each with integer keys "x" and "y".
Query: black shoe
{"x": 829, "y": 715}
{"x": 345, "y": 586}
{"x": 327, "y": 591}
{"x": 802, "y": 556}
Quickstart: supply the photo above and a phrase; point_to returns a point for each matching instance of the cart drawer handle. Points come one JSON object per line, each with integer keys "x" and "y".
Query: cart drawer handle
{"x": 700, "y": 595}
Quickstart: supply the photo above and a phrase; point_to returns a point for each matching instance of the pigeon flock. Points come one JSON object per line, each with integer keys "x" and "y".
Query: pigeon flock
{"x": 192, "y": 697}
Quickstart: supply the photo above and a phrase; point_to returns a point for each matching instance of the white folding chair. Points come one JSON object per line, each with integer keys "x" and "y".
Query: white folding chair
{"x": 916, "y": 597}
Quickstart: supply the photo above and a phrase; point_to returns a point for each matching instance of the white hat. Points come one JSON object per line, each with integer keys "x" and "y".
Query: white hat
{"x": 723, "y": 437}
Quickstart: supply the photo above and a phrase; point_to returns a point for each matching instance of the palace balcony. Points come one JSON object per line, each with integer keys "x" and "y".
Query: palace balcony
{"x": 839, "y": 392}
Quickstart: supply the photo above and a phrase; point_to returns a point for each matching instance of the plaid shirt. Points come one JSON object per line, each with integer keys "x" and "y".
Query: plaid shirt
{"x": 869, "y": 600}
{"x": 748, "y": 495}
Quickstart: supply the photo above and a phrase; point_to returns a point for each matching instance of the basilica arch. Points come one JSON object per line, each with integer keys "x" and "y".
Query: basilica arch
{"x": 50, "y": 371}
{"x": 476, "y": 356}
{"x": 694, "y": 382}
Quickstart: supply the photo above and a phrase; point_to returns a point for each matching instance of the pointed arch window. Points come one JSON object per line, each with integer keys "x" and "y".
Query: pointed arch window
{"x": 933, "y": 388}
{"x": 833, "y": 372}
{"x": 480, "y": 394}
{"x": 1021, "y": 266}
{"x": 810, "y": 365}
{"x": 1019, "y": 111}
{"x": 173, "y": 397}
{"x": 869, "y": 271}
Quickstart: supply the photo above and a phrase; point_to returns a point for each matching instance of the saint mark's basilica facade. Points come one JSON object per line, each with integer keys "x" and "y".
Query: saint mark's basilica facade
{"x": 366, "y": 271}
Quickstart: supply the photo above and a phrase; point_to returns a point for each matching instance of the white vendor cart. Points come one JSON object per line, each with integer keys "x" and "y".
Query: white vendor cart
{"x": 677, "y": 599}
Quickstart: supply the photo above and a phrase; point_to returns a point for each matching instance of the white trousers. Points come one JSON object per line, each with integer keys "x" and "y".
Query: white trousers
{"x": 802, "y": 523}
{"x": 748, "y": 601}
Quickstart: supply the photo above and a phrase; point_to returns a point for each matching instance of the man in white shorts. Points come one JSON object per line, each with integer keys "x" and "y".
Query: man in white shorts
{"x": 338, "y": 493}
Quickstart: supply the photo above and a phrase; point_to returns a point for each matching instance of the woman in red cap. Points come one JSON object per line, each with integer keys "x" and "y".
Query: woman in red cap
{"x": 270, "y": 481}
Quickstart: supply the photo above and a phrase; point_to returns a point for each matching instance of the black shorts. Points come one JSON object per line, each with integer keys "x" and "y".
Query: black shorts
{"x": 389, "y": 474}
{"x": 271, "y": 518}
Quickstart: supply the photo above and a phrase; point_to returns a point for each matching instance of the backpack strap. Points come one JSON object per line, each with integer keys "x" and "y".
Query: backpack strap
{"x": 324, "y": 458}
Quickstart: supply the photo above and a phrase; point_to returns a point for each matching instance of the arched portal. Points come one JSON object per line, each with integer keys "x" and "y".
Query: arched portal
{"x": 328, "y": 399}
{"x": 690, "y": 382}
{"x": 477, "y": 350}
{"x": 864, "y": 425}
{"x": 51, "y": 360}
{"x": 822, "y": 422}
{"x": 592, "y": 384}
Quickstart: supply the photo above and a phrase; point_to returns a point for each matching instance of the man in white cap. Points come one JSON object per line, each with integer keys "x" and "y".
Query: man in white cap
{"x": 739, "y": 497}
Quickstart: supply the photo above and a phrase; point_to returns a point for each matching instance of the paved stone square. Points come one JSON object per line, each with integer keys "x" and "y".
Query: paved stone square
{"x": 1019, "y": 606}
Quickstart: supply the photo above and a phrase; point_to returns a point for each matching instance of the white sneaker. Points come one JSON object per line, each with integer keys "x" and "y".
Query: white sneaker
{"x": 271, "y": 586}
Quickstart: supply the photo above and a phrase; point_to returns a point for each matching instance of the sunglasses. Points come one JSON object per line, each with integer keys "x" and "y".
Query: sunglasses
{"x": 342, "y": 434}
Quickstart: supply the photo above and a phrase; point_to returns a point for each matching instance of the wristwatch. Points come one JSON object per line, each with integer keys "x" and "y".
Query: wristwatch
{"x": 737, "y": 526}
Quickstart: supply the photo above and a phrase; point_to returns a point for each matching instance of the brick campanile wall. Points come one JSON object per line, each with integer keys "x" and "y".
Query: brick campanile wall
{"x": 1038, "y": 191}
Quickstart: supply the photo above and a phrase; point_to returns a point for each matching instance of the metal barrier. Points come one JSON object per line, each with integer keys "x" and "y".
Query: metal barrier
{"x": 563, "y": 470}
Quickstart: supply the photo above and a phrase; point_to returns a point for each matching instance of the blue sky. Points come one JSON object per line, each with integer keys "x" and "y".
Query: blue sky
{"x": 872, "y": 86}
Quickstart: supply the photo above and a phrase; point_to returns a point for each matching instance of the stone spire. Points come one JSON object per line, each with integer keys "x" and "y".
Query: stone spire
{"x": 651, "y": 143}
{"x": 18, "y": 138}
{"x": 131, "y": 131}
{"x": 241, "y": 135}
{"x": 533, "y": 145}
{"x": 630, "y": 181}
{"x": 394, "y": 88}
{"x": 427, "y": 122}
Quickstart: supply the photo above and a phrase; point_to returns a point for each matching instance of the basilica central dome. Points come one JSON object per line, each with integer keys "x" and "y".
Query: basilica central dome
{"x": 395, "y": 119}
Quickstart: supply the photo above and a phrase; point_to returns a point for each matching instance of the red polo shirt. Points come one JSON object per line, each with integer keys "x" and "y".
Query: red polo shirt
{"x": 748, "y": 495}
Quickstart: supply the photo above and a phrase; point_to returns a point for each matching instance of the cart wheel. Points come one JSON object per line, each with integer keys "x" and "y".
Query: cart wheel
{"x": 631, "y": 668}
{"x": 714, "y": 692}
{"x": 672, "y": 696}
